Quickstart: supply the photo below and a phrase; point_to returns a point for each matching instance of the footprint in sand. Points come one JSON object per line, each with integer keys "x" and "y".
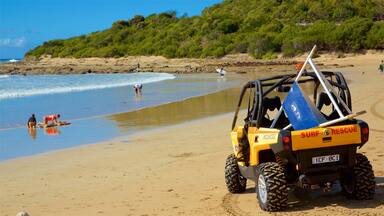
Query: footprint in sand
{"x": 204, "y": 199}
{"x": 183, "y": 155}
{"x": 375, "y": 111}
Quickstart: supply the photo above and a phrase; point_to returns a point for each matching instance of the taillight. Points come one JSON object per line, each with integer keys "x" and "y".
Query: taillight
{"x": 286, "y": 140}
{"x": 364, "y": 130}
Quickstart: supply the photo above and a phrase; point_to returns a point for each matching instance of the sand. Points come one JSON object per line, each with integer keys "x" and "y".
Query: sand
{"x": 178, "y": 170}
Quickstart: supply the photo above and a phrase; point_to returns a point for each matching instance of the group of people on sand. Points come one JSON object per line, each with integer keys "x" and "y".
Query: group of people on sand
{"x": 53, "y": 119}
{"x": 48, "y": 119}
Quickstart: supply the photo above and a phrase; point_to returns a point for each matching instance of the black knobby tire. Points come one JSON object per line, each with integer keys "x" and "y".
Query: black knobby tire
{"x": 276, "y": 196}
{"x": 360, "y": 184}
{"x": 235, "y": 182}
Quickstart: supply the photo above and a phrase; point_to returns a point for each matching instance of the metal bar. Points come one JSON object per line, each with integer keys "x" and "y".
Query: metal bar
{"x": 287, "y": 127}
{"x": 330, "y": 87}
{"x": 306, "y": 62}
{"x": 297, "y": 78}
{"x": 277, "y": 117}
{"x": 246, "y": 86}
{"x": 350, "y": 116}
{"x": 326, "y": 88}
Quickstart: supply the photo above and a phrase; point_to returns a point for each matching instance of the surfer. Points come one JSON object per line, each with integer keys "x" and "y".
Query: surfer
{"x": 51, "y": 118}
{"x": 138, "y": 87}
{"x": 222, "y": 72}
{"x": 32, "y": 121}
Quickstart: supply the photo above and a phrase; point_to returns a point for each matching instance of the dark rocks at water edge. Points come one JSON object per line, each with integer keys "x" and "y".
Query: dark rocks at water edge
{"x": 130, "y": 65}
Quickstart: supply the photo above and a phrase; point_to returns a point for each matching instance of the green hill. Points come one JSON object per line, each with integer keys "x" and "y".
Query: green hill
{"x": 259, "y": 27}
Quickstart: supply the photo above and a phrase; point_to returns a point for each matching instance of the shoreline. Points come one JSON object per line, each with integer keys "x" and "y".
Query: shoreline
{"x": 116, "y": 124}
{"x": 108, "y": 115}
{"x": 235, "y": 63}
{"x": 154, "y": 171}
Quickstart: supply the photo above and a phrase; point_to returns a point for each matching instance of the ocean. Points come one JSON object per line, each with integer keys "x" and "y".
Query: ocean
{"x": 6, "y": 60}
{"x": 100, "y": 106}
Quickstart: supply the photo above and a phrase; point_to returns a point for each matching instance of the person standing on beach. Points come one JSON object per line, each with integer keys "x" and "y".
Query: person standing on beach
{"x": 138, "y": 87}
{"x": 381, "y": 66}
{"x": 32, "y": 121}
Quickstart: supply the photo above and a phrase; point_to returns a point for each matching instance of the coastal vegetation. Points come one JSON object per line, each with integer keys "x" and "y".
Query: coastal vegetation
{"x": 261, "y": 28}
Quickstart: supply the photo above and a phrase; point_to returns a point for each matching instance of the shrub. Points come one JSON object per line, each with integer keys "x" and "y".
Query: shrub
{"x": 351, "y": 35}
{"x": 258, "y": 27}
{"x": 136, "y": 19}
{"x": 375, "y": 37}
{"x": 228, "y": 26}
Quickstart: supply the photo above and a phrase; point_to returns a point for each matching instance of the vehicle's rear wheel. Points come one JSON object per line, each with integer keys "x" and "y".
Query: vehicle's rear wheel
{"x": 235, "y": 182}
{"x": 361, "y": 183}
{"x": 271, "y": 187}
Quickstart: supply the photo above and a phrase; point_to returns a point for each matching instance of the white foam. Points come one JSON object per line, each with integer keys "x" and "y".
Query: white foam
{"x": 15, "y": 93}
{"x": 4, "y": 76}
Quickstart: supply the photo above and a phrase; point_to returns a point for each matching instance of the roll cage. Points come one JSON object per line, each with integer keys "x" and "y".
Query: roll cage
{"x": 260, "y": 89}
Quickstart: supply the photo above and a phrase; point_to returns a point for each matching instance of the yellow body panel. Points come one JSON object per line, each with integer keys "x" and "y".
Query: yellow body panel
{"x": 325, "y": 137}
{"x": 236, "y": 135}
{"x": 259, "y": 140}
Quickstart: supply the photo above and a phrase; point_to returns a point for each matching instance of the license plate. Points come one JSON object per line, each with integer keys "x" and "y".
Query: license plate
{"x": 326, "y": 159}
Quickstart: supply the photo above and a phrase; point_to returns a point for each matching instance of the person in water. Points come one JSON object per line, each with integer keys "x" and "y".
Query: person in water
{"x": 32, "y": 121}
{"x": 138, "y": 87}
{"x": 51, "y": 118}
{"x": 221, "y": 73}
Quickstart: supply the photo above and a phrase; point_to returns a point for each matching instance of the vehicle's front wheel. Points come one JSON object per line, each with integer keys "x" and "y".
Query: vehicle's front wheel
{"x": 235, "y": 182}
{"x": 361, "y": 183}
{"x": 271, "y": 187}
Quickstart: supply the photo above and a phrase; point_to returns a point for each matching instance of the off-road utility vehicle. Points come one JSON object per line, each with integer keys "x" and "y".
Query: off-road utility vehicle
{"x": 270, "y": 151}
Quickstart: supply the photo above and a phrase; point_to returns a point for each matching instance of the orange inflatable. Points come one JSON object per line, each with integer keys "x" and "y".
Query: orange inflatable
{"x": 299, "y": 66}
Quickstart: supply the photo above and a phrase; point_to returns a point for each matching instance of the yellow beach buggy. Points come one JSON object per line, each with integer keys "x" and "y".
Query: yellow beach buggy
{"x": 299, "y": 132}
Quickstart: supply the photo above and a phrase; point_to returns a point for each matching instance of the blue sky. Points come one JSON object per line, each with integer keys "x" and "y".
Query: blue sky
{"x": 24, "y": 24}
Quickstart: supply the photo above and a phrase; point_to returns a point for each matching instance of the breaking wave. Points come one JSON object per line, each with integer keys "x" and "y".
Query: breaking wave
{"x": 4, "y": 76}
{"x": 24, "y": 86}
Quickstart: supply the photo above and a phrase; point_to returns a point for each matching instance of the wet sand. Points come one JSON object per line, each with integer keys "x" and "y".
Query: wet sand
{"x": 178, "y": 169}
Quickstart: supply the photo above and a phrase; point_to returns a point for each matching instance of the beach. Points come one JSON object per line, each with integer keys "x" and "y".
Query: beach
{"x": 178, "y": 168}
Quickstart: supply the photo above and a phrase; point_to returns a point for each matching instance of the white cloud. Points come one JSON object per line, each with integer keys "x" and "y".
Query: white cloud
{"x": 15, "y": 42}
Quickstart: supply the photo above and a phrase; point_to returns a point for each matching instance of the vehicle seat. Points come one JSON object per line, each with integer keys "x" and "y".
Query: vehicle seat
{"x": 272, "y": 103}
{"x": 323, "y": 100}
{"x": 269, "y": 104}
